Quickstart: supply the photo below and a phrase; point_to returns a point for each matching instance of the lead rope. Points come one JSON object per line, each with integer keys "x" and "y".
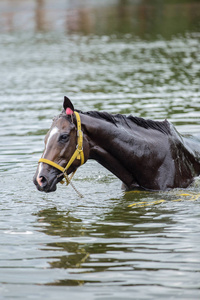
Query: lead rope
{"x": 68, "y": 180}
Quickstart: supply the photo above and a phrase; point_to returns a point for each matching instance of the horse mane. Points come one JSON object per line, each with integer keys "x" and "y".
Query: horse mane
{"x": 128, "y": 121}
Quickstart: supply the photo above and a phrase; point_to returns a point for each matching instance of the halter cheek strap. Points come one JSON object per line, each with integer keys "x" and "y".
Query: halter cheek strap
{"x": 78, "y": 154}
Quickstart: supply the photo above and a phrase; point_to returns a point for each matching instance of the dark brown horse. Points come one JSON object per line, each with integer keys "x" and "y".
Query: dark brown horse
{"x": 143, "y": 154}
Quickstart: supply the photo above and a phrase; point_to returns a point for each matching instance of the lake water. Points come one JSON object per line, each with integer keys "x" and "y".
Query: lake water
{"x": 126, "y": 57}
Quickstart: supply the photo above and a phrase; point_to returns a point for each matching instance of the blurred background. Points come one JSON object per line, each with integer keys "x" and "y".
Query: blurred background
{"x": 142, "y": 18}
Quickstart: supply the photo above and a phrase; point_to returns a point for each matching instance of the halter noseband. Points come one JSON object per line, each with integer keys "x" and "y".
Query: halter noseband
{"x": 78, "y": 154}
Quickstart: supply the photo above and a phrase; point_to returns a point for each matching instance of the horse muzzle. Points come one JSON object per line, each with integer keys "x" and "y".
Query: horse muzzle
{"x": 45, "y": 184}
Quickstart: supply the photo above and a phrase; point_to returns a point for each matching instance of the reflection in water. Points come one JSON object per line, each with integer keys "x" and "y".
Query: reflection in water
{"x": 101, "y": 17}
{"x": 39, "y": 15}
{"x": 112, "y": 242}
{"x": 62, "y": 224}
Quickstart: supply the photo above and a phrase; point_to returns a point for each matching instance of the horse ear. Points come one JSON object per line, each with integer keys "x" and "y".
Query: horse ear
{"x": 68, "y": 106}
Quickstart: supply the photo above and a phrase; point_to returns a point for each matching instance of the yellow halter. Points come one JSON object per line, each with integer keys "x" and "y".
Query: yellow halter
{"x": 78, "y": 154}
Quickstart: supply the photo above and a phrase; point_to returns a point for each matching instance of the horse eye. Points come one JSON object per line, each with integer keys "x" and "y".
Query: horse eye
{"x": 63, "y": 137}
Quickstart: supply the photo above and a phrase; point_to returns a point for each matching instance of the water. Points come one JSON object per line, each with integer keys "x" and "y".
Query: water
{"x": 110, "y": 244}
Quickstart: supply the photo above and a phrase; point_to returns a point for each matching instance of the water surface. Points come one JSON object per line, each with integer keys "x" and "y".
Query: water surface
{"x": 110, "y": 244}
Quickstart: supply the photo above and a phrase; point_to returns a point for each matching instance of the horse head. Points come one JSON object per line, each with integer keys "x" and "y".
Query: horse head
{"x": 60, "y": 147}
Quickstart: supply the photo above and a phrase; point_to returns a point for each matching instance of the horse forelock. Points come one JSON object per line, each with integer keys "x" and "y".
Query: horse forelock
{"x": 62, "y": 115}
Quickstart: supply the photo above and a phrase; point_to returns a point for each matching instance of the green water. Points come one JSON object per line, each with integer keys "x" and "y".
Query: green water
{"x": 123, "y": 57}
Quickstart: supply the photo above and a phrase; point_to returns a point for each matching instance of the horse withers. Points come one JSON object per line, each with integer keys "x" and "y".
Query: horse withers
{"x": 143, "y": 154}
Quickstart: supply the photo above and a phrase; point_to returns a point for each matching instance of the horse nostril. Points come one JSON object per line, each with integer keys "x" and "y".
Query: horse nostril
{"x": 42, "y": 181}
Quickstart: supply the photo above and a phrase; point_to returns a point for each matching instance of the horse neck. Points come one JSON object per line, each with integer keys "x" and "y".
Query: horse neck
{"x": 100, "y": 133}
{"x": 109, "y": 146}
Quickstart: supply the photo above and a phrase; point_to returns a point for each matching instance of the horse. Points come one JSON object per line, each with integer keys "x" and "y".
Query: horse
{"x": 144, "y": 154}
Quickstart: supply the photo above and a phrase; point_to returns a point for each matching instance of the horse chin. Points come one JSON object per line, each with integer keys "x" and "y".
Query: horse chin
{"x": 51, "y": 189}
{"x": 52, "y": 186}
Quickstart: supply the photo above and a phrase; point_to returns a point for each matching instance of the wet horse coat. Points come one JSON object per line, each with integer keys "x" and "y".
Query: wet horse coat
{"x": 143, "y": 154}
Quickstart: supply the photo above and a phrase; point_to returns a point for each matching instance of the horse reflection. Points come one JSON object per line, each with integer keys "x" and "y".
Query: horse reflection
{"x": 92, "y": 247}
